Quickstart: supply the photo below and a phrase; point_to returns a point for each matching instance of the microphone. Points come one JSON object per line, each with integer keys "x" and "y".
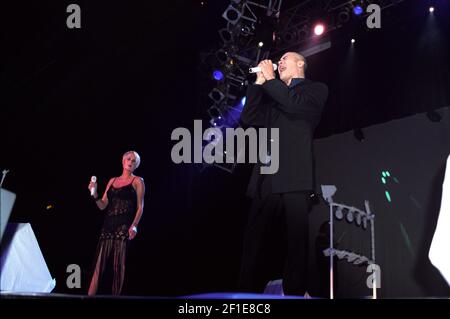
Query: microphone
{"x": 258, "y": 69}
{"x": 93, "y": 180}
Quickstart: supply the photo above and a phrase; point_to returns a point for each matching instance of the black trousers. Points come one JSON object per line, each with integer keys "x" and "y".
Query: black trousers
{"x": 293, "y": 209}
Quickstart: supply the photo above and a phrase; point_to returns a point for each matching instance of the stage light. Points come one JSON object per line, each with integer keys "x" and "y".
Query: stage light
{"x": 290, "y": 37}
{"x": 338, "y": 213}
{"x": 357, "y": 10}
{"x": 260, "y": 44}
{"x": 319, "y": 29}
{"x": 353, "y": 41}
{"x": 218, "y": 122}
{"x": 344, "y": 16}
{"x": 303, "y": 33}
{"x": 328, "y": 192}
{"x": 351, "y": 257}
{"x": 222, "y": 56}
{"x": 246, "y": 30}
{"x": 358, "y": 219}
{"x": 226, "y": 35}
{"x": 243, "y": 100}
{"x": 214, "y": 112}
{"x": 360, "y": 260}
{"x": 350, "y": 216}
{"x": 431, "y": 9}
{"x": 216, "y": 95}
{"x": 341, "y": 254}
{"x": 364, "y": 222}
{"x": 232, "y": 15}
{"x": 218, "y": 75}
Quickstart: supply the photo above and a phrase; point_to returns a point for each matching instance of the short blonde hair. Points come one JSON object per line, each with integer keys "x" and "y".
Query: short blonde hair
{"x": 136, "y": 155}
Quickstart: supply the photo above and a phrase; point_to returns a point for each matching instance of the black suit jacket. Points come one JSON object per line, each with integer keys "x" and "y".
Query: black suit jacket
{"x": 295, "y": 111}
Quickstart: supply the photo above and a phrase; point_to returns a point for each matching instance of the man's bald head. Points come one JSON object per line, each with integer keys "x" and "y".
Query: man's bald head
{"x": 291, "y": 65}
{"x": 300, "y": 57}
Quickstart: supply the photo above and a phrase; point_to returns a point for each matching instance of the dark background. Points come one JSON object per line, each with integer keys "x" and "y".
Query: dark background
{"x": 73, "y": 101}
{"x": 414, "y": 150}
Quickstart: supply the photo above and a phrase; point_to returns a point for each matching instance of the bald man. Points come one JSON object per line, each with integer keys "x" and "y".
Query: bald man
{"x": 293, "y": 104}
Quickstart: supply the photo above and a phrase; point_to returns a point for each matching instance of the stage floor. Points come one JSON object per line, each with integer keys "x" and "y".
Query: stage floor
{"x": 217, "y": 295}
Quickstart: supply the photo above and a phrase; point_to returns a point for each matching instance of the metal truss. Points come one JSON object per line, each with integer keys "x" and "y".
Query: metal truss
{"x": 296, "y": 22}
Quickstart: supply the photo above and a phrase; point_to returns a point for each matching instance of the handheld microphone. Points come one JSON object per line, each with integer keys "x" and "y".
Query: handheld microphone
{"x": 258, "y": 69}
{"x": 93, "y": 180}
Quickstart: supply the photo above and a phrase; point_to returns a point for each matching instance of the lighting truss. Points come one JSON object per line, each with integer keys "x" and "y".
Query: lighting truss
{"x": 337, "y": 211}
{"x": 296, "y": 22}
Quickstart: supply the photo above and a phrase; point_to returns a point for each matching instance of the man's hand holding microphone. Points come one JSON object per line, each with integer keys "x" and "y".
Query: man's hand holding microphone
{"x": 266, "y": 73}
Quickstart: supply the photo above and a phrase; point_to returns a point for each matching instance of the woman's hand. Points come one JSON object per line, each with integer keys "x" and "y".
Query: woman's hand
{"x": 93, "y": 185}
{"x": 132, "y": 232}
